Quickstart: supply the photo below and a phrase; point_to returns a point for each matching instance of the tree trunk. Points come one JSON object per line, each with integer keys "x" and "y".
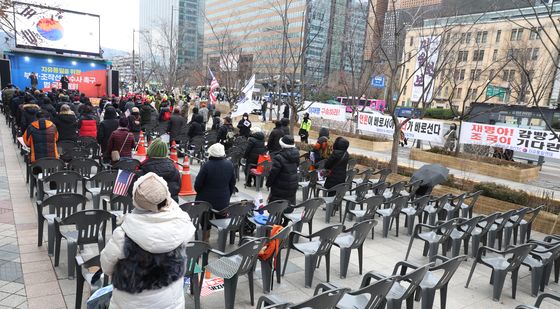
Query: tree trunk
{"x": 394, "y": 163}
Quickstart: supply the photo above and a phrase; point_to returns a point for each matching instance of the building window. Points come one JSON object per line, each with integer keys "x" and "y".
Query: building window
{"x": 534, "y": 55}
{"x": 509, "y": 75}
{"x": 458, "y": 93}
{"x": 512, "y": 53}
{"x": 411, "y": 41}
{"x": 491, "y": 74}
{"x": 446, "y": 91}
{"x": 481, "y": 37}
{"x": 468, "y": 38}
{"x": 460, "y": 74}
{"x": 462, "y": 56}
{"x": 471, "y": 94}
{"x": 535, "y": 33}
{"x": 478, "y": 55}
{"x": 516, "y": 34}
{"x": 475, "y": 74}
{"x": 495, "y": 55}
{"x": 498, "y": 35}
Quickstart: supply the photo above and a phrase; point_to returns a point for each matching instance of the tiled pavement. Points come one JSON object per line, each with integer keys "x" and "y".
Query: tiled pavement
{"x": 45, "y": 286}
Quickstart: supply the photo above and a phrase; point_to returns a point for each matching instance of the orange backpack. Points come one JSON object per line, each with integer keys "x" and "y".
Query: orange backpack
{"x": 262, "y": 158}
{"x": 271, "y": 248}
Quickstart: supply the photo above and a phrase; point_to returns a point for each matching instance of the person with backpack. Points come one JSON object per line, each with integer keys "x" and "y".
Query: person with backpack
{"x": 323, "y": 147}
{"x": 146, "y": 255}
{"x": 337, "y": 164}
{"x": 216, "y": 121}
{"x": 226, "y": 133}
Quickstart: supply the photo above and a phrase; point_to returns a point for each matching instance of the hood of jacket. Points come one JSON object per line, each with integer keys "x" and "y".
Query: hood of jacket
{"x": 158, "y": 232}
{"x": 323, "y": 132}
{"x": 290, "y": 154}
{"x": 36, "y": 124}
{"x": 258, "y": 136}
{"x": 341, "y": 144}
{"x": 30, "y": 107}
{"x": 198, "y": 118}
{"x": 67, "y": 117}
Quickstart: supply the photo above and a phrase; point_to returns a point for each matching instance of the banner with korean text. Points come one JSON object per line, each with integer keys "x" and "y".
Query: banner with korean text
{"x": 426, "y": 130}
{"x": 325, "y": 111}
{"x": 426, "y": 59}
{"x": 530, "y": 141}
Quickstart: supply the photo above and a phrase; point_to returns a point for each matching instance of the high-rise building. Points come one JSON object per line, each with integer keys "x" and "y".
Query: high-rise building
{"x": 177, "y": 21}
{"x": 311, "y": 37}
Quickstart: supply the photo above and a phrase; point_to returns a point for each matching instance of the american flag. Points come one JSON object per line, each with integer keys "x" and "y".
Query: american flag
{"x": 124, "y": 179}
{"x": 213, "y": 86}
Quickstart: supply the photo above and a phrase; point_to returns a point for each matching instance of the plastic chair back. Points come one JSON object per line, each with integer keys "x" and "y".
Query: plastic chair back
{"x": 449, "y": 268}
{"x": 414, "y": 278}
{"x": 89, "y": 223}
{"x": 123, "y": 203}
{"x": 340, "y": 190}
{"x": 362, "y": 190}
{"x": 326, "y": 300}
{"x": 64, "y": 204}
{"x": 372, "y": 204}
{"x": 489, "y": 220}
{"x": 519, "y": 254}
{"x": 236, "y": 213}
{"x": 397, "y": 204}
{"x": 48, "y": 165}
{"x": 379, "y": 188}
{"x": 383, "y": 174}
{"x": 66, "y": 181}
{"x": 249, "y": 253}
{"x": 105, "y": 180}
{"x": 275, "y": 211}
{"x": 196, "y": 250}
{"x": 360, "y": 231}
{"x": 196, "y": 210}
{"x": 84, "y": 166}
{"x": 376, "y": 291}
{"x": 309, "y": 208}
{"x": 327, "y": 236}
{"x": 128, "y": 164}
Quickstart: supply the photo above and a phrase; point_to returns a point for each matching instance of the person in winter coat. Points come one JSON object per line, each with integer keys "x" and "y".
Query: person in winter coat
{"x": 225, "y": 133}
{"x": 244, "y": 126}
{"x": 255, "y": 148}
{"x": 194, "y": 113}
{"x": 284, "y": 125}
{"x": 216, "y": 121}
{"x": 121, "y": 140}
{"x": 28, "y": 114}
{"x": 145, "y": 257}
{"x": 196, "y": 128}
{"x": 304, "y": 129}
{"x": 146, "y": 111}
{"x": 176, "y": 125}
{"x": 283, "y": 177}
{"x": 159, "y": 163}
{"x": 135, "y": 123}
{"x": 273, "y": 144}
{"x": 322, "y": 149}
{"x": 49, "y": 107}
{"x": 41, "y": 137}
{"x": 337, "y": 164}
{"x": 67, "y": 124}
{"x": 215, "y": 182}
{"x": 109, "y": 124}
{"x": 87, "y": 125}
{"x": 204, "y": 112}
{"x": 286, "y": 113}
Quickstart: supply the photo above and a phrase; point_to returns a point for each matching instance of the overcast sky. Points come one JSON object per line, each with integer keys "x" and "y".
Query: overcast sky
{"x": 118, "y": 18}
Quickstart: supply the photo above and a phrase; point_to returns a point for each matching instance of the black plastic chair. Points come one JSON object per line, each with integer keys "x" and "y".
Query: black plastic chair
{"x": 355, "y": 197}
{"x": 127, "y": 164}
{"x": 65, "y": 182}
{"x": 94, "y": 280}
{"x": 60, "y": 206}
{"x": 334, "y": 203}
{"x": 90, "y": 229}
{"x": 353, "y": 238}
{"x": 392, "y": 212}
{"x": 234, "y": 264}
{"x": 299, "y": 218}
{"x": 274, "y": 263}
{"x": 543, "y": 296}
{"x": 415, "y": 209}
{"x": 309, "y": 184}
{"x": 497, "y": 229}
{"x": 434, "y": 237}
{"x": 467, "y": 208}
{"x": 461, "y": 234}
{"x": 364, "y": 175}
{"x": 314, "y": 249}
{"x": 85, "y": 167}
{"x": 372, "y": 203}
{"x": 367, "y": 296}
{"x": 118, "y": 207}
{"x": 394, "y": 190}
{"x": 197, "y": 210}
{"x": 383, "y": 174}
{"x": 101, "y": 185}
{"x": 554, "y": 239}
{"x": 526, "y": 225}
{"x": 261, "y": 175}
{"x": 452, "y": 208}
{"x": 434, "y": 207}
{"x": 400, "y": 292}
{"x": 275, "y": 211}
{"x": 501, "y": 263}
{"x": 511, "y": 227}
{"x": 235, "y": 216}
{"x": 325, "y": 300}
{"x": 197, "y": 258}
{"x": 47, "y": 166}
{"x": 540, "y": 262}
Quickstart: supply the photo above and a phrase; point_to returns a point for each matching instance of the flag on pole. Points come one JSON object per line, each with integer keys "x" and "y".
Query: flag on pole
{"x": 213, "y": 86}
{"x": 245, "y": 102}
{"x": 123, "y": 181}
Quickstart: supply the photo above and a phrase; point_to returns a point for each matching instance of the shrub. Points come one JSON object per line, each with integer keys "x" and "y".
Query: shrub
{"x": 503, "y": 193}
{"x": 439, "y": 113}
{"x": 470, "y": 156}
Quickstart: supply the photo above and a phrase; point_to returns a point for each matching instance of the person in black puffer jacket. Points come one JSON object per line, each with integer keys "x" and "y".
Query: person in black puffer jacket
{"x": 216, "y": 121}
{"x": 337, "y": 163}
{"x": 273, "y": 144}
{"x": 176, "y": 125}
{"x": 244, "y": 126}
{"x": 159, "y": 163}
{"x": 67, "y": 124}
{"x": 109, "y": 124}
{"x": 48, "y": 106}
{"x": 255, "y": 148}
{"x": 28, "y": 114}
{"x": 224, "y": 133}
{"x": 283, "y": 178}
{"x": 196, "y": 128}
{"x": 285, "y": 122}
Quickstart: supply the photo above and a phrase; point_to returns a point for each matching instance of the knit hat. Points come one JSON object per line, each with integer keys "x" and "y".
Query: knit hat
{"x": 150, "y": 193}
{"x": 158, "y": 149}
{"x": 123, "y": 122}
{"x": 217, "y": 151}
{"x": 287, "y": 142}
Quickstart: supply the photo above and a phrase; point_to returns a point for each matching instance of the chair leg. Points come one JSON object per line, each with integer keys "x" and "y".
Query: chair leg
{"x": 536, "y": 279}
{"x": 297, "y": 227}
{"x": 50, "y": 238}
{"x": 95, "y": 200}
{"x": 195, "y": 291}
{"x": 514, "y": 276}
{"x": 328, "y": 265}
{"x": 386, "y": 222}
{"x": 428, "y": 296}
{"x": 79, "y": 287}
{"x": 230, "y": 287}
{"x": 491, "y": 238}
{"x": 40, "y": 226}
{"x": 328, "y": 212}
{"x": 507, "y": 237}
{"x": 251, "y": 287}
{"x": 409, "y": 246}
{"x": 286, "y": 261}
{"x": 498, "y": 285}
{"x": 266, "y": 272}
{"x": 522, "y": 233}
{"x": 72, "y": 250}
{"x": 475, "y": 244}
{"x": 443, "y": 296}
{"x": 344, "y": 261}
{"x": 432, "y": 251}
{"x": 222, "y": 235}
{"x": 410, "y": 224}
{"x": 310, "y": 264}
{"x": 360, "y": 257}
{"x": 470, "y": 274}
{"x": 455, "y": 247}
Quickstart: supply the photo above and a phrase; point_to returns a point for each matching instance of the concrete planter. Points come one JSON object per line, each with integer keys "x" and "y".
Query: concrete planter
{"x": 512, "y": 173}
{"x": 360, "y": 143}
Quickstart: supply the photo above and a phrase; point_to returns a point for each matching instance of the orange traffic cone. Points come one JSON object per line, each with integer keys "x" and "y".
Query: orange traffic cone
{"x": 173, "y": 152}
{"x": 186, "y": 183}
{"x": 141, "y": 149}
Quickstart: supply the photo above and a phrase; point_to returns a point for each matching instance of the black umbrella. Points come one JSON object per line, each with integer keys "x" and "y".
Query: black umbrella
{"x": 431, "y": 174}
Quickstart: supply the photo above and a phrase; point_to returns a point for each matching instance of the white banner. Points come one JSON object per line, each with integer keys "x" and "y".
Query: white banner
{"x": 426, "y": 60}
{"x": 325, "y": 111}
{"x": 426, "y": 130}
{"x": 245, "y": 104}
{"x": 530, "y": 141}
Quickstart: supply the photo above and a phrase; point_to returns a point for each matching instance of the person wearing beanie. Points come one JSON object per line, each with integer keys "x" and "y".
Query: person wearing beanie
{"x": 158, "y": 162}
{"x": 337, "y": 164}
{"x": 277, "y": 133}
{"x": 135, "y": 123}
{"x": 215, "y": 182}
{"x": 121, "y": 140}
{"x": 107, "y": 126}
{"x": 67, "y": 124}
{"x": 283, "y": 177}
{"x": 176, "y": 125}
{"x": 145, "y": 256}
{"x": 255, "y": 148}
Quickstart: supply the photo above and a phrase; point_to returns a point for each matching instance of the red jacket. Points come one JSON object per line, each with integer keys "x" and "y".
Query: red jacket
{"x": 88, "y": 127}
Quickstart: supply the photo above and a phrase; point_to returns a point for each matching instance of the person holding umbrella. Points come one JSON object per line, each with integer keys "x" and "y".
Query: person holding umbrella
{"x": 431, "y": 175}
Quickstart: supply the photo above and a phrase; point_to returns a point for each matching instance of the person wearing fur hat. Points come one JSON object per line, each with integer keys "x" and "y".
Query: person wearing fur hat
{"x": 215, "y": 182}
{"x": 283, "y": 177}
{"x": 145, "y": 257}
{"x": 159, "y": 163}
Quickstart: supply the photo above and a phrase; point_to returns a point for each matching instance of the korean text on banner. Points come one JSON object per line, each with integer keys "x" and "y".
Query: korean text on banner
{"x": 530, "y": 141}
{"x": 425, "y": 130}
{"x": 425, "y": 66}
{"x": 326, "y": 111}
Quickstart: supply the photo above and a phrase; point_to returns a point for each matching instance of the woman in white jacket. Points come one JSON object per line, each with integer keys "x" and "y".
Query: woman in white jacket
{"x": 146, "y": 255}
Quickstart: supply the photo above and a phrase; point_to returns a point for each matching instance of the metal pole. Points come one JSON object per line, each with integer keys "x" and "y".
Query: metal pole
{"x": 133, "y": 61}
